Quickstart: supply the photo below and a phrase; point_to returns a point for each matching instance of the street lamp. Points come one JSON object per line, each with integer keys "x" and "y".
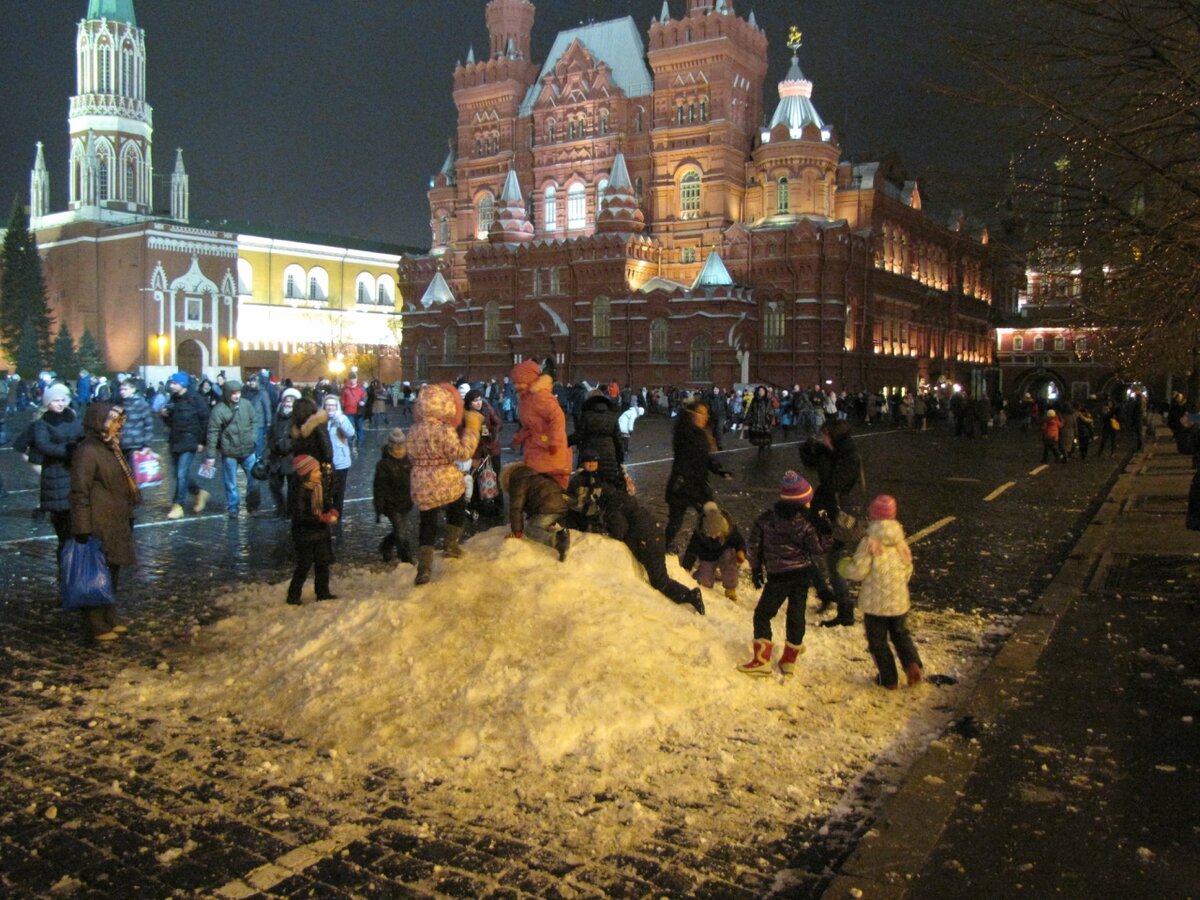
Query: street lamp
{"x": 337, "y": 367}
{"x": 161, "y": 340}
{"x": 231, "y": 346}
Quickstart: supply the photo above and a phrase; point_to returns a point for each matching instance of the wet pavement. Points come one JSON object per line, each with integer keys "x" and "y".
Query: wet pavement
{"x": 993, "y": 530}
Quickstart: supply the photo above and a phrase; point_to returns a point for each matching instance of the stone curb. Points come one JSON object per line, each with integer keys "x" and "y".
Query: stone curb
{"x": 911, "y": 821}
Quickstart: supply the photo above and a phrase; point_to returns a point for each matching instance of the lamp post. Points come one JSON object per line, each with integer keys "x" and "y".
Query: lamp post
{"x": 161, "y": 340}
{"x": 231, "y": 346}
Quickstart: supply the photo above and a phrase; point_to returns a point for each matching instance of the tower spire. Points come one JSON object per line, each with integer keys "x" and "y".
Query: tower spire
{"x": 511, "y": 224}
{"x": 39, "y": 186}
{"x": 179, "y": 189}
{"x": 619, "y": 212}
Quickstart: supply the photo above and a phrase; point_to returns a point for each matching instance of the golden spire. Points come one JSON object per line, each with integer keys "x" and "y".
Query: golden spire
{"x": 795, "y": 38}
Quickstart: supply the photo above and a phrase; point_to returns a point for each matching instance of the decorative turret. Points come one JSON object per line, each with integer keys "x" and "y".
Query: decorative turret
{"x": 619, "y": 212}
{"x": 39, "y": 186}
{"x": 795, "y": 111}
{"x": 510, "y": 23}
{"x": 714, "y": 274}
{"x": 511, "y": 224}
{"x": 179, "y": 189}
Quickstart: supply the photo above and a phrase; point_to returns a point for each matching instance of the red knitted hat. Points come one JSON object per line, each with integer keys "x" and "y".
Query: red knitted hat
{"x": 882, "y": 507}
{"x": 304, "y": 463}
{"x": 794, "y": 488}
{"x": 525, "y": 373}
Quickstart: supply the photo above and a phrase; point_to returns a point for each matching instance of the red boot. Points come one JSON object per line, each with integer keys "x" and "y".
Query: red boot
{"x": 761, "y": 664}
{"x": 787, "y": 662}
{"x": 914, "y": 673}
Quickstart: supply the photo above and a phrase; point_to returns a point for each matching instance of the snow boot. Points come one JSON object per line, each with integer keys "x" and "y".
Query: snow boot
{"x": 787, "y": 660}
{"x": 731, "y": 593}
{"x": 404, "y": 552}
{"x": 451, "y": 550}
{"x": 424, "y": 565}
{"x": 761, "y": 664}
{"x": 387, "y": 547}
{"x": 201, "y": 501}
{"x": 176, "y": 511}
{"x": 914, "y": 674}
{"x": 562, "y": 543}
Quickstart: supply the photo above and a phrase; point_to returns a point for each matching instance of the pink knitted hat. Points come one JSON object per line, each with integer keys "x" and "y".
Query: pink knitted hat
{"x": 882, "y": 507}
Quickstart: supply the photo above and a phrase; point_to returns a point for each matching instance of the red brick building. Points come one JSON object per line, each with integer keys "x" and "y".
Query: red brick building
{"x": 628, "y": 209}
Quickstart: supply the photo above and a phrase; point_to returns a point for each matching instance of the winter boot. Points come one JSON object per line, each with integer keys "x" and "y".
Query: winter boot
{"x": 761, "y": 664}
{"x": 424, "y": 565}
{"x": 176, "y": 511}
{"x": 731, "y": 593}
{"x": 696, "y": 600}
{"x": 98, "y": 624}
{"x": 914, "y": 674}
{"x": 787, "y": 661}
{"x": 387, "y": 547}
{"x": 201, "y": 501}
{"x": 404, "y": 552}
{"x": 562, "y": 543}
{"x": 451, "y": 550}
{"x": 114, "y": 624}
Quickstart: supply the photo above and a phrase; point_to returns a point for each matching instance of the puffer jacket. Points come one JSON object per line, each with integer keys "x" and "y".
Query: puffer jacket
{"x": 531, "y": 493}
{"x": 139, "y": 423}
{"x": 232, "y": 429}
{"x": 883, "y": 563}
{"x": 101, "y": 498}
{"x": 784, "y": 540}
{"x": 279, "y": 444}
{"x": 434, "y": 445}
{"x": 599, "y": 430}
{"x": 709, "y": 549}
{"x": 543, "y": 432}
{"x": 187, "y": 421}
{"x": 54, "y": 438}
{"x": 311, "y": 437}
{"x": 341, "y": 432}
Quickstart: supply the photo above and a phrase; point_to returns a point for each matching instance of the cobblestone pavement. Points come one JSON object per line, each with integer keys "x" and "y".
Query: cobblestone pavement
{"x": 109, "y": 806}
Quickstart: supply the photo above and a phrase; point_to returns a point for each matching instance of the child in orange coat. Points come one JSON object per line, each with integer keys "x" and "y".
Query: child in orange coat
{"x": 1051, "y": 428}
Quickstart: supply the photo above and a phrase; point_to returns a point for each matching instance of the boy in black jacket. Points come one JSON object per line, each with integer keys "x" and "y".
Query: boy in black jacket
{"x": 627, "y": 520}
{"x": 393, "y": 496}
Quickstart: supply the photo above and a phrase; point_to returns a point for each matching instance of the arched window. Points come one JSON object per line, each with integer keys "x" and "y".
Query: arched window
{"x": 658, "y": 341}
{"x": 1019, "y": 344}
{"x": 318, "y": 284}
{"x": 576, "y": 207}
{"x": 127, "y": 71}
{"x": 478, "y": 147}
{"x": 783, "y": 200}
{"x": 689, "y": 195}
{"x": 601, "y": 323}
{"x": 1039, "y": 343}
{"x": 700, "y": 360}
{"x": 450, "y": 344}
{"x": 550, "y": 220}
{"x": 679, "y": 114}
{"x": 485, "y": 216}
{"x": 131, "y": 191}
{"x": 104, "y": 63}
{"x": 103, "y": 178}
{"x": 362, "y": 289}
{"x": 293, "y": 279}
{"x": 245, "y": 277}
{"x": 1060, "y": 343}
{"x": 385, "y": 291}
{"x": 637, "y": 120}
{"x": 704, "y": 110}
{"x": 601, "y": 189}
{"x": 421, "y": 365}
{"x": 773, "y": 329}
{"x": 491, "y": 326}
{"x": 551, "y": 132}
{"x": 637, "y": 188}
{"x": 604, "y": 121}
{"x": 571, "y": 130}
{"x": 444, "y": 229}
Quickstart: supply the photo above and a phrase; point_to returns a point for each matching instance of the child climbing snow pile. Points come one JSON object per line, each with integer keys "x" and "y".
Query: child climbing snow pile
{"x": 718, "y": 547}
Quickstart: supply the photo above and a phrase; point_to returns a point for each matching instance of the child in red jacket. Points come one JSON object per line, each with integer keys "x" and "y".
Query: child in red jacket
{"x": 1051, "y": 428}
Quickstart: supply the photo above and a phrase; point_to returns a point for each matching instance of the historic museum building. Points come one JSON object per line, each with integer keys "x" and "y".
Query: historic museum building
{"x": 630, "y": 209}
{"x": 160, "y": 292}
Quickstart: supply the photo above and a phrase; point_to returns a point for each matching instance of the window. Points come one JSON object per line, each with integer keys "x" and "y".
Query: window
{"x": 444, "y": 230}
{"x": 689, "y": 195}
{"x": 783, "y": 199}
{"x": 551, "y": 132}
{"x": 1039, "y": 344}
{"x": 384, "y": 291}
{"x": 691, "y": 112}
{"x": 1018, "y": 344}
{"x": 290, "y": 290}
{"x": 486, "y": 214}
{"x": 637, "y": 189}
{"x": 576, "y": 207}
{"x": 604, "y": 121}
{"x": 478, "y": 147}
{"x": 679, "y": 114}
{"x": 1080, "y": 345}
{"x": 131, "y": 180}
{"x": 700, "y": 360}
{"x": 537, "y": 282}
{"x": 688, "y": 255}
{"x": 601, "y": 189}
{"x": 555, "y": 283}
{"x": 245, "y": 277}
{"x": 193, "y": 311}
{"x": 1060, "y": 343}
{"x": 450, "y": 344}
{"x": 637, "y": 120}
{"x": 127, "y": 72}
{"x": 102, "y": 187}
{"x": 314, "y": 288}
{"x": 704, "y": 110}
{"x": 362, "y": 293}
{"x": 104, "y": 61}
{"x": 570, "y": 131}
{"x": 658, "y": 341}
{"x": 318, "y": 284}
{"x": 773, "y": 329}
{"x": 491, "y": 326}
{"x": 550, "y": 220}
{"x": 601, "y": 323}
{"x": 421, "y": 365}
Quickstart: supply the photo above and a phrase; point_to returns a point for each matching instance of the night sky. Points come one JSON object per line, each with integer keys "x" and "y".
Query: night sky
{"x": 331, "y": 116}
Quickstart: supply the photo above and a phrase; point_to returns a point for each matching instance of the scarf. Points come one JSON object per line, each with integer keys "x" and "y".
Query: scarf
{"x": 135, "y": 493}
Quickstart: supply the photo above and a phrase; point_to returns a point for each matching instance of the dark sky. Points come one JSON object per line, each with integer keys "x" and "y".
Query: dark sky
{"x": 330, "y": 115}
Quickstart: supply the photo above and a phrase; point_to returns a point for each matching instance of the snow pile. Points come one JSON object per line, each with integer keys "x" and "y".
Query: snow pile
{"x": 567, "y": 702}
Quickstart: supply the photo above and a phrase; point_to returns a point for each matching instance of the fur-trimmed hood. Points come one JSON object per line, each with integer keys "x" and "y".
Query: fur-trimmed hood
{"x": 309, "y": 425}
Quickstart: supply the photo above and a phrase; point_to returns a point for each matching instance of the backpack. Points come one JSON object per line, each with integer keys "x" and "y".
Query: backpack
{"x": 487, "y": 485}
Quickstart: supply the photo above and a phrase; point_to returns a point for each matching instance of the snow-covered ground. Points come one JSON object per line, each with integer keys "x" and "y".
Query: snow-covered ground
{"x": 568, "y": 704}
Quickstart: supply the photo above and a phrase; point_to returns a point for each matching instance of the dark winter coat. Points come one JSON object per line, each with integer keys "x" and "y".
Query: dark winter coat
{"x": 139, "y": 422}
{"x": 688, "y": 484}
{"x": 102, "y": 500}
{"x": 393, "y": 485}
{"x": 629, "y": 521}
{"x": 279, "y": 444}
{"x": 187, "y": 421}
{"x": 760, "y": 420}
{"x": 599, "y": 430}
{"x": 55, "y": 436}
{"x": 232, "y": 429}
{"x": 784, "y": 539}
{"x": 839, "y": 485}
{"x": 260, "y": 400}
{"x": 532, "y": 493}
{"x": 311, "y": 437}
{"x": 709, "y": 549}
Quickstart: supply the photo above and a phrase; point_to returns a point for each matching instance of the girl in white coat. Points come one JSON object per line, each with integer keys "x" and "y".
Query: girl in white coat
{"x": 883, "y": 563}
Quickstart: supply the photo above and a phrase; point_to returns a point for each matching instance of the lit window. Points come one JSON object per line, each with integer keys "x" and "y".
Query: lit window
{"x": 130, "y": 180}
{"x": 601, "y": 189}
{"x": 104, "y": 59}
{"x": 444, "y": 230}
{"x": 576, "y": 207}
{"x": 1080, "y": 345}
{"x": 290, "y": 291}
{"x": 551, "y": 132}
{"x": 704, "y": 110}
{"x": 688, "y": 255}
{"x": 784, "y": 200}
{"x": 1039, "y": 344}
{"x": 604, "y": 122}
{"x": 773, "y": 329}
{"x": 1060, "y": 343}
{"x": 679, "y": 114}
{"x": 491, "y": 326}
{"x": 103, "y": 186}
{"x": 383, "y": 293}
{"x": 486, "y": 215}
{"x": 550, "y": 221}
{"x": 314, "y": 288}
{"x": 689, "y": 195}
{"x": 1018, "y": 344}
{"x": 700, "y": 360}
{"x": 362, "y": 292}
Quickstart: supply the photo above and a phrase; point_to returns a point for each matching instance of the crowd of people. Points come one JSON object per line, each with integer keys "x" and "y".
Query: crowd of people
{"x": 302, "y": 442}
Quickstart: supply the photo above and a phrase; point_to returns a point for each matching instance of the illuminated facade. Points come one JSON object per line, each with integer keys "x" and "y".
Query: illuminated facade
{"x": 628, "y": 209}
{"x": 161, "y": 292}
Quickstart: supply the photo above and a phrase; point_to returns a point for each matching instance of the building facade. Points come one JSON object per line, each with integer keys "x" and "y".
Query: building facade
{"x": 630, "y": 209}
{"x": 161, "y": 292}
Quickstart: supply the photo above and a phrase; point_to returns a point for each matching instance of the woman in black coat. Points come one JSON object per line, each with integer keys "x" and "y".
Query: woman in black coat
{"x": 599, "y": 430}
{"x": 693, "y": 446}
{"x": 55, "y": 436}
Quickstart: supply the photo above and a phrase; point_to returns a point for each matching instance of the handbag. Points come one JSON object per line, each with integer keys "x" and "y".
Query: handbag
{"x": 84, "y": 580}
{"x": 147, "y": 468}
{"x": 848, "y": 528}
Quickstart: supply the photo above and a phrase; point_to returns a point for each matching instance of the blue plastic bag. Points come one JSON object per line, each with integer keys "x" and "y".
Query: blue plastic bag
{"x": 84, "y": 580}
